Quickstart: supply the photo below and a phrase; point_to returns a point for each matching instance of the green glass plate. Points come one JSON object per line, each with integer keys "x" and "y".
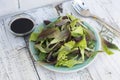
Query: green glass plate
{"x": 65, "y": 69}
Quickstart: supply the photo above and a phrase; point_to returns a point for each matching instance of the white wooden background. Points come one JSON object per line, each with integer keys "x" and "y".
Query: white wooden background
{"x": 15, "y": 60}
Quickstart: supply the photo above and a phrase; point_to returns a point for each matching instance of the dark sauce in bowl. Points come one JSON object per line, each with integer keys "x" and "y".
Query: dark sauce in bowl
{"x": 22, "y": 25}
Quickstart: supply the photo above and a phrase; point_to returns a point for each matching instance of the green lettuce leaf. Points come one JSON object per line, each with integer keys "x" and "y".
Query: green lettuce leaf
{"x": 111, "y": 45}
{"x": 62, "y": 36}
{"x": 82, "y": 45}
{"x": 74, "y": 22}
{"x": 42, "y": 56}
{"x": 71, "y": 17}
{"x": 66, "y": 49}
{"x": 106, "y": 49}
{"x": 68, "y": 63}
{"x": 105, "y": 46}
{"x": 38, "y": 46}
{"x": 34, "y": 36}
{"x": 77, "y": 31}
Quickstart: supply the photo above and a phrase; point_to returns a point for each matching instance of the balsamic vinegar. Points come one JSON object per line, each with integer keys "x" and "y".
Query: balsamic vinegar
{"x": 22, "y": 25}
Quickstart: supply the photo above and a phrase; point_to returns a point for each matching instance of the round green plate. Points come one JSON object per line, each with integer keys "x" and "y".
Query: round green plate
{"x": 65, "y": 69}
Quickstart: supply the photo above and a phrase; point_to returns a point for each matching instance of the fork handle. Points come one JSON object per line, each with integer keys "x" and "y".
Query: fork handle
{"x": 109, "y": 27}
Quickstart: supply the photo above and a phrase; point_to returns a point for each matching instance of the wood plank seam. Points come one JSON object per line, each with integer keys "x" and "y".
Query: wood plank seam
{"x": 19, "y": 4}
{"x": 33, "y": 61}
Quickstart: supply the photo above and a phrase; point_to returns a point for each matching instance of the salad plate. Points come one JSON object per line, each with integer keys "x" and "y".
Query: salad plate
{"x": 56, "y": 66}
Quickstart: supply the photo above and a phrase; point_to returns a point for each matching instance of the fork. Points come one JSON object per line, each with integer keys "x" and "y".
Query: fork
{"x": 79, "y": 7}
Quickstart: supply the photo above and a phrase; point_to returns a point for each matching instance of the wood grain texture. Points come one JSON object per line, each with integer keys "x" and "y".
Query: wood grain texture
{"x": 29, "y": 4}
{"x": 12, "y": 6}
{"x": 14, "y": 58}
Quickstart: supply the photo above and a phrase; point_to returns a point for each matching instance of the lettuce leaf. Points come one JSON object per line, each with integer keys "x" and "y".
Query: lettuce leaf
{"x": 62, "y": 36}
{"x": 38, "y": 46}
{"x": 64, "y": 50}
{"x": 68, "y": 63}
{"x": 82, "y": 45}
{"x": 77, "y": 31}
{"x": 34, "y": 36}
{"x": 106, "y": 46}
{"x": 106, "y": 49}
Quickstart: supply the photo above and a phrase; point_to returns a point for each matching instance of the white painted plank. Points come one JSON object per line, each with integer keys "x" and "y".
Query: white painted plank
{"x": 3, "y": 74}
{"x": 29, "y": 4}
{"x": 106, "y": 9}
{"x": 12, "y": 6}
{"x": 8, "y": 6}
{"x": 49, "y": 75}
{"x": 15, "y": 61}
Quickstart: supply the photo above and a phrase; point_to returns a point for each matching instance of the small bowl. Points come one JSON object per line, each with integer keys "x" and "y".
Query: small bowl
{"x": 18, "y": 17}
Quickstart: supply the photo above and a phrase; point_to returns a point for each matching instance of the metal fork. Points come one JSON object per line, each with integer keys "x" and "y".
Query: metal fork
{"x": 79, "y": 6}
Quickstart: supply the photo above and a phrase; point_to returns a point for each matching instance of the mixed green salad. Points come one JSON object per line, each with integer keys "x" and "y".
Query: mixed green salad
{"x": 65, "y": 42}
